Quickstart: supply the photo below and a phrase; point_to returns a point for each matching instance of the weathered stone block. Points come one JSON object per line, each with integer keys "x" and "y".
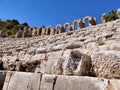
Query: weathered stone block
{"x": 72, "y": 46}
{"x": 22, "y": 81}
{"x": 48, "y": 82}
{"x": 106, "y": 64}
{"x": 79, "y": 83}
{"x": 73, "y": 63}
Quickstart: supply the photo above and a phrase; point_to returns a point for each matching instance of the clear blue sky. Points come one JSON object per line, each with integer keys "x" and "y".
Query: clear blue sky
{"x": 53, "y": 12}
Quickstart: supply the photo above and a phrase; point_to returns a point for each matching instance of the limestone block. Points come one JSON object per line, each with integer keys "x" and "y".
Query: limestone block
{"x": 58, "y": 47}
{"x": 22, "y": 81}
{"x": 9, "y": 63}
{"x": 106, "y": 64}
{"x": 7, "y": 80}
{"x": 52, "y": 58}
{"x": 36, "y": 57}
{"x": 19, "y": 34}
{"x": 57, "y": 68}
{"x": 114, "y": 84}
{"x": 21, "y": 55}
{"x": 48, "y": 82}
{"x": 41, "y": 50}
{"x": 31, "y": 51}
{"x": 72, "y": 45}
{"x": 77, "y": 63}
{"x": 103, "y": 18}
{"x": 73, "y": 63}
{"x": 27, "y": 58}
{"x": 55, "y": 55}
{"x": 80, "y": 83}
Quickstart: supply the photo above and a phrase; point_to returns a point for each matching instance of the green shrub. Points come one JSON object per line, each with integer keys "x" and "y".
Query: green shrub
{"x": 111, "y": 16}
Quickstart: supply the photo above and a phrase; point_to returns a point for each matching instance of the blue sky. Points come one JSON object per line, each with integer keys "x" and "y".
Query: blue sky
{"x": 53, "y": 12}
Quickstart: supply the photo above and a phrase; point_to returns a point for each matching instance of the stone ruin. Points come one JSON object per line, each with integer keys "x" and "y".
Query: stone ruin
{"x": 32, "y": 31}
{"x": 88, "y": 59}
{"x": 27, "y": 32}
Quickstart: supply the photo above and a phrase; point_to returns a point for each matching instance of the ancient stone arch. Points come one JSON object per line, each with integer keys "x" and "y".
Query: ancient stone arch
{"x": 92, "y": 21}
{"x": 70, "y": 28}
{"x": 59, "y": 26}
{"x": 62, "y": 29}
{"x": 44, "y": 31}
{"x": 39, "y": 30}
{"x": 26, "y": 32}
{"x": 33, "y": 30}
{"x": 48, "y": 30}
{"x": 53, "y": 31}
{"x": 81, "y": 24}
{"x": 19, "y": 34}
{"x": 74, "y": 22}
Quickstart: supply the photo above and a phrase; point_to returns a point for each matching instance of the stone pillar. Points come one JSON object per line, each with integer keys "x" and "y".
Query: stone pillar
{"x": 81, "y": 24}
{"x": 103, "y": 18}
{"x": 19, "y": 34}
{"x": 62, "y": 29}
{"x": 118, "y": 13}
{"x": 26, "y": 32}
{"x": 92, "y": 21}
{"x": 43, "y": 31}
{"x": 53, "y": 31}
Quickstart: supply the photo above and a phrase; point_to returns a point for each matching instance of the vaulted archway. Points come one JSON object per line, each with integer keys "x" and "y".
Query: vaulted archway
{"x": 68, "y": 27}
{"x": 75, "y": 24}
{"x": 91, "y": 20}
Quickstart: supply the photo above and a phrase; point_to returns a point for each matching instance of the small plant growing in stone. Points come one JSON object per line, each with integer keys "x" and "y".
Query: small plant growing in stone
{"x": 69, "y": 33}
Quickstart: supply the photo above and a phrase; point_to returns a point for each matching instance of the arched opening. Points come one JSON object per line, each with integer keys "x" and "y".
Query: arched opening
{"x": 66, "y": 28}
{"x": 48, "y": 31}
{"x": 31, "y": 29}
{"x": 39, "y": 31}
{"x": 75, "y": 26}
{"x": 58, "y": 30}
{"x": 87, "y": 23}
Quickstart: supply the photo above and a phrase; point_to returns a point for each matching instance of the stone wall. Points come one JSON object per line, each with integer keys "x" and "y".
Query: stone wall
{"x": 31, "y": 81}
{"x": 32, "y": 31}
{"x": 92, "y": 51}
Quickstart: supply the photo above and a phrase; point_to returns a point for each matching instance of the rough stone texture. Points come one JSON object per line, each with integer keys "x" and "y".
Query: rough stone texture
{"x": 47, "y": 82}
{"x": 51, "y": 54}
{"x": 76, "y": 63}
{"x": 32, "y": 81}
{"x": 106, "y": 64}
{"x": 79, "y": 83}
{"x": 22, "y": 81}
{"x": 103, "y": 18}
